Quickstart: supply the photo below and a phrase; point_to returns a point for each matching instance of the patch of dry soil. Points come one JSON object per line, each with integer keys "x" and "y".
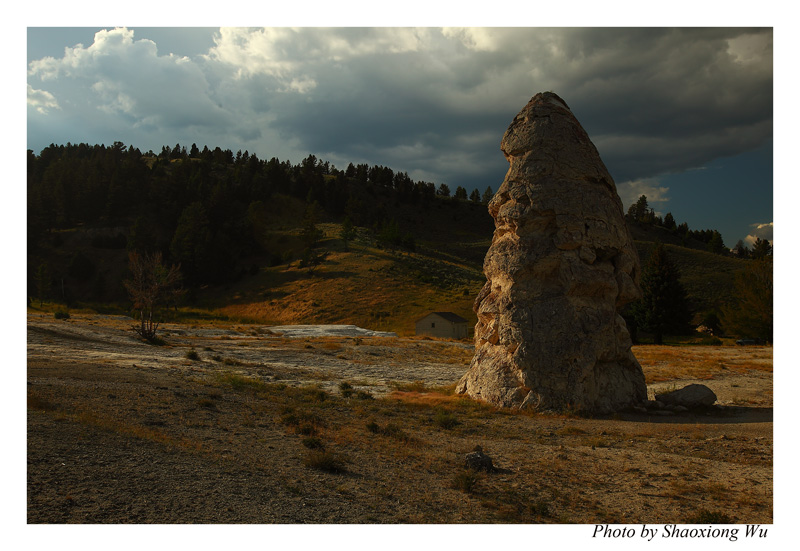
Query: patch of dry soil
{"x": 120, "y": 431}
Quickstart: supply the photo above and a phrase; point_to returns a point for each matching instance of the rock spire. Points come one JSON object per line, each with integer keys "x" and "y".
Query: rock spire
{"x": 560, "y": 268}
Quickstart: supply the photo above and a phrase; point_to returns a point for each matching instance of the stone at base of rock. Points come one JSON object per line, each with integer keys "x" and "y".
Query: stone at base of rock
{"x": 691, "y": 396}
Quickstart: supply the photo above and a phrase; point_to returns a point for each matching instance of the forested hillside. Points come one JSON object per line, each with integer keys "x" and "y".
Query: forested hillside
{"x": 276, "y": 242}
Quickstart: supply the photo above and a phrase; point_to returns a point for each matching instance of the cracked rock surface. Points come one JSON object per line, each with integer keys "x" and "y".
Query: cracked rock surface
{"x": 561, "y": 266}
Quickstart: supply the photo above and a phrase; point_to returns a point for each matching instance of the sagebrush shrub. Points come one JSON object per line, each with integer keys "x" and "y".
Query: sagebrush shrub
{"x": 324, "y": 461}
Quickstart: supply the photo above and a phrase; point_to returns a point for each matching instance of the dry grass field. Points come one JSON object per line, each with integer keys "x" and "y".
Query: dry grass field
{"x": 238, "y": 424}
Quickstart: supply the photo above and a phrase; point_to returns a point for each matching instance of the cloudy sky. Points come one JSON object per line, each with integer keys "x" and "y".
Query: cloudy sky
{"x": 684, "y": 116}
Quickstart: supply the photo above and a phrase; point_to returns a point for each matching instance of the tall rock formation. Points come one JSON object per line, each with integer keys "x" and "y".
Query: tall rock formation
{"x": 561, "y": 266}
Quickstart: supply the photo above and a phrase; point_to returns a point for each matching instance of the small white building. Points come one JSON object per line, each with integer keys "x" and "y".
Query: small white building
{"x": 446, "y": 325}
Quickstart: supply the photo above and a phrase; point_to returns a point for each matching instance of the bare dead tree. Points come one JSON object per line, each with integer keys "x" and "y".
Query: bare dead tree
{"x": 152, "y": 284}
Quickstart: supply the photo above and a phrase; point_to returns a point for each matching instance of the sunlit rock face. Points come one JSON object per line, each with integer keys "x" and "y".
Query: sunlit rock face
{"x": 560, "y": 268}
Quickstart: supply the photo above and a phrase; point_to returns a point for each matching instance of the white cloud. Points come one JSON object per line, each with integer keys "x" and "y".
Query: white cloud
{"x": 751, "y": 48}
{"x": 41, "y": 100}
{"x": 630, "y": 191}
{"x": 762, "y": 231}
{"x": 131, "y": 85}
{"x": 286, "y": 53}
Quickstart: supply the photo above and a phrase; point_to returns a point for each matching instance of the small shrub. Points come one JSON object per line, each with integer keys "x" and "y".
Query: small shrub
{"x": 324, "y": 461}
{"x": 192, "y": 355}
{"x": 241, "y": 382}
{"x": 300, "y": 421}
{"x": 704, "y": 516}
{"x": 390, "y": 430}
{"x": 61, "y": 315}
{"x": 445, "y": 420}
{"x": 205, "y": 403}
{"x": 541, "y": 508}
{"x": 346, "y": 389}
{"x": 37, "y": 402}
{"x": 155, "y": 341}
{"x": 307, "y": 429}
{"x": 363, "y": 395}
{"x": 465, "y": 481}
{"x": 317, "y": 395}
{"x": 416, "y": 386}
{"x": 596, "y": 442}
{"x": 313, "y": 443}
{"x": 393, "y": 430}
{"x": 570, "y": 430}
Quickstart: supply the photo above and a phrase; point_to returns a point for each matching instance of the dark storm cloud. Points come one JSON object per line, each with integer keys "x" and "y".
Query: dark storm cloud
{"x": 432, "y": 102}
{"x": 653, "y": 100}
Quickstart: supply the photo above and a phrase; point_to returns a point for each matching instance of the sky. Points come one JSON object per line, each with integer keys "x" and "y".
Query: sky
{"x": 681, "y": 115}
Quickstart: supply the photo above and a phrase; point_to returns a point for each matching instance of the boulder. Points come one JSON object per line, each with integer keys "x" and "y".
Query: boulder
{"x": 561, "y": 266}
{"x": 478, "y": 461}
{"x": 689, "y": 397}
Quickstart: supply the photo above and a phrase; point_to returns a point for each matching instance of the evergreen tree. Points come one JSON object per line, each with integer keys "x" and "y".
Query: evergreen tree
{"x": 310, "y": 233}
{"x": 348, "y": 231}
{"x": 669, "y": 222}
{"x": 444, "y": 190}
{"x": 487, "y": 195}
{"x": 639, "y": 211}
{"x": 740, "y": 250}
{"x": 475, "y": 196}
{"x": 751, "y": 315}
{"x": 191, "y": 242}
{"x": 715, "y": 244}
{"x": 143, "y": 235}
{"x": 43, "y": 281}
{"x": 461, "y": 193}
{"x": 761, "y": 248}
{"x": 81, "y": 266}
{"x": 663, "y": 307}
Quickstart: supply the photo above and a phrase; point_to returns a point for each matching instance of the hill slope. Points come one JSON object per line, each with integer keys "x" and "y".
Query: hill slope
{"x": 239, "y": 227}
{"x": 363, "y": 282}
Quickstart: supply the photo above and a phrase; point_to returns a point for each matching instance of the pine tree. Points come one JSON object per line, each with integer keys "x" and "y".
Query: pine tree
{"x": 43, "y": 281}
{"x": 761, "y": 248}
{"x": 669, "y": 222}
{"x": 310, "y": 233}
{"x": 348, "y": 231}
{"x": 487, "y": 195}
{"x": 663, "y": 307}
{"x": 640, "y": 210}
{"x": 191, "y": 243}
{"x": 751, "y": 316}
{"x": 715, "y": 244}
{"x": 740, "y": 250}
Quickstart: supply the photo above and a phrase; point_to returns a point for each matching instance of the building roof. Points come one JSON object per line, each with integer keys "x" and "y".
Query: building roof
{"x": 449, "y": 316}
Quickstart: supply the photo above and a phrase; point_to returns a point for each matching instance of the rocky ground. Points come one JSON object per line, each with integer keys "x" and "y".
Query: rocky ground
{"x": 239, "y": 424}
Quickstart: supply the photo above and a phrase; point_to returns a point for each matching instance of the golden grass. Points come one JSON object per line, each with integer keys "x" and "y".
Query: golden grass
{"x": 364, "y": 286}
{"x": 426, "y": 399}
{"x": 666, "y": 363}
